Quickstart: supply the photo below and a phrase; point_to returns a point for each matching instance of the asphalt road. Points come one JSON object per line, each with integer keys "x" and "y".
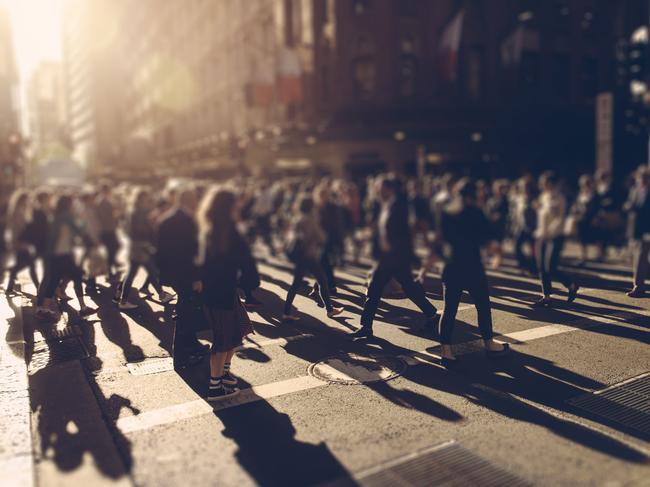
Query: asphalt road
{"x": 94, "y": 421}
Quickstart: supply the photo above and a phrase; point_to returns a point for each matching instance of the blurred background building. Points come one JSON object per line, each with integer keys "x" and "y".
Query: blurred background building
{"x": 46, "y": 110}
{"x": 11, "y": 142}
{"x": 350, "y": 86}
{"x": 92, "y": 78}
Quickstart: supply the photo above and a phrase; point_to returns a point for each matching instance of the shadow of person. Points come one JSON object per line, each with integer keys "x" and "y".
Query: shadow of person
{"x": 522, "y": 387}
{"x": 70, "y": 427}
{"x": 412, "y": 400}
{"x": 115, "y": 328}
{"x": 269, "y": 451}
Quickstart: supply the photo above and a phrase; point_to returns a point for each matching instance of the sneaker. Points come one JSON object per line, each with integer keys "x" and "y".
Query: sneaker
{"x": 637, "y": 292}
{"x": 229, "y": 379}
{"x": 573, "y": 293}
{"x": 87, "y": 311}
{"x": 542, "y": 303}
{"x": 144, "y": 292}
{"x": 221, "y": 392}
{"x": 165, "y": 297}
{"x": 126, "y": 306}
{"x": 334, "y": 312}
{"x": 363, "y": 332}
{"x": 286, "y": 318}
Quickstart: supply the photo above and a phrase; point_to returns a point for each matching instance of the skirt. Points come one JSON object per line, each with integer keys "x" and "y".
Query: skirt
{"x": 229, "y": 326}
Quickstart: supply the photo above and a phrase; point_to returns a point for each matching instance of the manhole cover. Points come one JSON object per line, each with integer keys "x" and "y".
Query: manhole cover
{"x": 353, "y": 369}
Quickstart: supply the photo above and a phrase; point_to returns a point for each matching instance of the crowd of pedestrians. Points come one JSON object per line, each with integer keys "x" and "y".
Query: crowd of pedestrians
{"x": 197, "y": 240}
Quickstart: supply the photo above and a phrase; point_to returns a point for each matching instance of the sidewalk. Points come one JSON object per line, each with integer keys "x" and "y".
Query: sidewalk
{"x": 53, "y": 431}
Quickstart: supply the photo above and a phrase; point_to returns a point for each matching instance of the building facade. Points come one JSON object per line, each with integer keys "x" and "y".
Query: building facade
{"x": 93, "y": 81}
{"x": 46, "y": 110}
{"x": 10, "y": 135}
{"x": 347, "y": 86}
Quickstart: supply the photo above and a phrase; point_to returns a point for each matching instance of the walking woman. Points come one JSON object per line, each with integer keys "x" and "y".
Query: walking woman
{"x": 464, "y": 230}
{"x": 306, "y": 250}
{"x": 19, "y": 229}
{"x": 142, "y": 235}
{"x": 60, "y": 264}
{"x": 222, "y": 258}
{"x": 549, "y": 237}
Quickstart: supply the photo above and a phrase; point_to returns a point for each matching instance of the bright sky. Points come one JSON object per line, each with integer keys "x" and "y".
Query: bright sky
{"x": 36, "y": 26}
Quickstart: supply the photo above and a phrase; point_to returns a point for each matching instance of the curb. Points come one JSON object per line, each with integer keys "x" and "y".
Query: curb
{"x": 16, "y": 446}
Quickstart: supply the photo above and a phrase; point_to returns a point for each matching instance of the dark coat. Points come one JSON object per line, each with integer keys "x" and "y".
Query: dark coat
{"x": 464, "y": 231}
{"x": 223, "y": 268}
{"x": 177, "y": 247}
{"x": 398, "y": 233}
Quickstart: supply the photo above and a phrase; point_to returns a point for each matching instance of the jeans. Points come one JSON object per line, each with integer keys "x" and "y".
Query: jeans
{"x": 548, "y": 256}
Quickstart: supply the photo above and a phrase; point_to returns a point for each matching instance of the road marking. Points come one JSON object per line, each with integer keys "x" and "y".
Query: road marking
{"x": 192, "y": 409}
{"x": 273, "y": 341}
{"x": 178, "y": 412}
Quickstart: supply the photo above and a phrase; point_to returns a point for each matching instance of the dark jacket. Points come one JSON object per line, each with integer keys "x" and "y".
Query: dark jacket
{"x": 464, "y": 231}
{"x": 393, "y": 225}
{"x": 177, "y": 247}
{"x": 222, "y": 269}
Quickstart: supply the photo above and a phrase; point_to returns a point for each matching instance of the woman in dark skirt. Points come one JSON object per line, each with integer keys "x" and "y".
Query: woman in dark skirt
{"x": 224, "y": 256}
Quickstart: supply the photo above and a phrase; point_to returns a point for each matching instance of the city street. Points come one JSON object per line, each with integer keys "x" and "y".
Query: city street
{"x": 107, "y": 407}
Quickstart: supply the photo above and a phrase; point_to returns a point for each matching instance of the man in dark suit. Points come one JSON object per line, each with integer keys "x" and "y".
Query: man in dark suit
{"x": 177, "y": 248}
{"x": 638, "y": 210}
{"x": 395, "y": 255}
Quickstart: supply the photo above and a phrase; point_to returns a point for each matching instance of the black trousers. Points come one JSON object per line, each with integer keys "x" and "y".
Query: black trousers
{"x": 184, "y": 340}
{"x": 314, "y": 268}
{"x": 475, "y": 283}
{"x": 24, "y": 259}
{"x": 400, "y": 270}
{"x": 525, "y": 262}
{"x": 548, "y": 257}
{"x": 134, "y": 267}
{"x": 110, "y": 241}
{"x": 58, "y": 267}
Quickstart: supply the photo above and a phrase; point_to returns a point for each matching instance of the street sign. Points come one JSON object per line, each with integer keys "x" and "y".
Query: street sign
{"x": 604, "y": 131}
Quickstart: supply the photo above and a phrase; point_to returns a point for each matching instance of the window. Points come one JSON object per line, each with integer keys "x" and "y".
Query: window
{"x": 529, "y": 73}
{"x": 589, "y": 23}
{"x": 407, "y": 8}
{"x": 589, "y": 77}
{"x": 473, "y": 76}
{"x": 561, "y": 76}
{"x": 407, "y": 76}
{"x": 562, "y": 15}
{"x": 364, "y": 72}
{"x": 361, "y": 7}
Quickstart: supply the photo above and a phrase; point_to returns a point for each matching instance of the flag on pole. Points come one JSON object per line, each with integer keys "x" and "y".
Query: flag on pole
{"x": 262, "y": 83}
{"x": 449, "y": 47}
{"x": 290, "y": 82}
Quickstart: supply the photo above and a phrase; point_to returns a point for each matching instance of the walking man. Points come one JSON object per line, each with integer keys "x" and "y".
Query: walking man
{"x": 177, "y": 248}
{"x": 395, "y": 256}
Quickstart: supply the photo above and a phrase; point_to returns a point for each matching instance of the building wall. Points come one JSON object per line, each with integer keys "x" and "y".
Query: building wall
{"x": 192, "y": 83}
